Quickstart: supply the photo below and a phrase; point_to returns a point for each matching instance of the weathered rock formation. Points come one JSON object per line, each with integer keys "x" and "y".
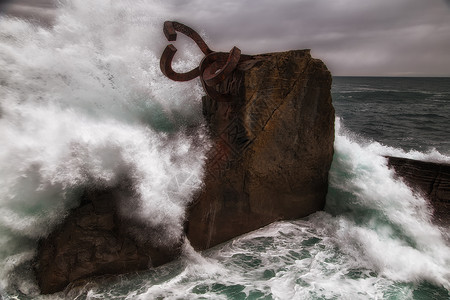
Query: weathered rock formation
{"x": 274, "y": 147}
{"x": 432, "y": 180}
{"x": 272, "y": 153}
{"x": 96, "y": 240}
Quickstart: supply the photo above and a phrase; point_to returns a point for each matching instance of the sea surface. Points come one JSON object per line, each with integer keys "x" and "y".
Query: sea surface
{"x": 409, "y": 113}
{"x": 84, "y": 102}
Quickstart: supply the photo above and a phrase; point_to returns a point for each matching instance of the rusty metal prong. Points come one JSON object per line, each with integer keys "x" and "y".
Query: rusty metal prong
{"x": 209, "y": 64}
{"x": 212, "y": 93}
{"x": 217, "y": 69}
{"x": 165, "y": 64}
{"x": 169, "y": 31}
{"x": 170, "y": 28}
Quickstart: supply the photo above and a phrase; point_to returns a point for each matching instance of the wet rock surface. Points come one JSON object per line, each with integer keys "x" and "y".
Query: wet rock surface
{"x": 273, "y": 147}
{"x": 432, "y": 180}
{"x": 96, "y": 240}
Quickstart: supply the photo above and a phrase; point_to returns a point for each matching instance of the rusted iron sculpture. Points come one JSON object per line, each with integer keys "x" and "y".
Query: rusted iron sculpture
{"x": 214, "y": 68}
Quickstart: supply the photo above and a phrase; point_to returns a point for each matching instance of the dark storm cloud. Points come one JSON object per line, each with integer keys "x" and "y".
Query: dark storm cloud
{"x": 353, "y": 37}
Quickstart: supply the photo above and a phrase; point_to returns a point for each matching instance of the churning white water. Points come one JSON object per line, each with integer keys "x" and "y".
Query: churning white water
{"x": 375, "y": 240}
{"x": 84, "y": 102}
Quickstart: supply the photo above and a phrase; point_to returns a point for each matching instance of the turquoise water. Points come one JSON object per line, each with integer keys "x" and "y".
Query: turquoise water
{"x": 84, "y": 103}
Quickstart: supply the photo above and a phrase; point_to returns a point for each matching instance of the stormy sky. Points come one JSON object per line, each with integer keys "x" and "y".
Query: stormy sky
{"x": 353, "y": 37}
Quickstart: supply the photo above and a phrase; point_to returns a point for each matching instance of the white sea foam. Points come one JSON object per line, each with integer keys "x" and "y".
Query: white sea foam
{"x": 374, "y": 241}
{"x": 379, "y": 220}
{"x": 83, "y": 103}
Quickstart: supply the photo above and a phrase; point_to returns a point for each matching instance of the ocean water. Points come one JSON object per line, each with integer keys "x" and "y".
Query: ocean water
{"x": 83, "y": 103}
{"x": 408, "y": 113}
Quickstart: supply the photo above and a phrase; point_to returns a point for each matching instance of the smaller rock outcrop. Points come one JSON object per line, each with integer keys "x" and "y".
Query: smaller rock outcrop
{"x": 432, "y": 180}
{"x": 96, "y": 240}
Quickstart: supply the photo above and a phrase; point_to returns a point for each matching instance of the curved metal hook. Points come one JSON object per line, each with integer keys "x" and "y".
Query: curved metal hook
{"x": 170, "y": 31}
{"x": 214, "y": 68}
{"x": 217, "y": 66}
{"x": 165, "y": 63}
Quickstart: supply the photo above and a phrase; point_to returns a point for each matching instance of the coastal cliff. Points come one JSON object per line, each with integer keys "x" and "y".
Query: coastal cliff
{"x": 272, "y": 150}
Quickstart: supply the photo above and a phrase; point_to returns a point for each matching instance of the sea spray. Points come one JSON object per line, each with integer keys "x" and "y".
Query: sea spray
{"x": 192, "y": 266}
{"x": 84, "y": 103}
{"x": 375, "y": 240}
{"x": 382, "y": 221}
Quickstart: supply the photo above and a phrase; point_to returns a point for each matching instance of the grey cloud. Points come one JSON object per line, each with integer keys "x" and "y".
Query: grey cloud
{"x": 31, "y": 3}
{"x": 353, "y": 37}
{"x": 40, "y": 11}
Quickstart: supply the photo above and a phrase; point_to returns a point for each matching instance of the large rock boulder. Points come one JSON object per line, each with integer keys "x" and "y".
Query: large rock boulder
{"x": 273, "y": 147}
